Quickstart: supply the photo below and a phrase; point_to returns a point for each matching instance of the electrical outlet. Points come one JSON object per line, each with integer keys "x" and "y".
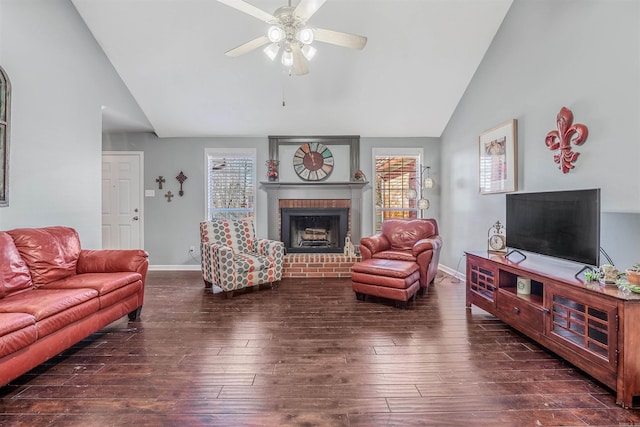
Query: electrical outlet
{"x": 192, "y": 248}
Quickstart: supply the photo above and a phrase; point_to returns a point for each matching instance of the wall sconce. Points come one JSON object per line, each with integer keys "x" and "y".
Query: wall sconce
{"x": 427, "y": 183}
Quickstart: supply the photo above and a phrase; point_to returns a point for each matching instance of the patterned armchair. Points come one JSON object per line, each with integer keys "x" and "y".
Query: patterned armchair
{"x": 232, "y": 257}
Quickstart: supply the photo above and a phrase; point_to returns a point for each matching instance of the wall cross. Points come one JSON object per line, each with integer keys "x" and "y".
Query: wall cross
{"x": 160, "y": 180}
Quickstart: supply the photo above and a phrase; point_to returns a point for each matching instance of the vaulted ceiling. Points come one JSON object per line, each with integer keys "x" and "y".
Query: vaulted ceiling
{"x": 419, "y": 59}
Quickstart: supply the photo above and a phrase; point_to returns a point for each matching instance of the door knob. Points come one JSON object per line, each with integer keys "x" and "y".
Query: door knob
{"x": 135, "y": 218}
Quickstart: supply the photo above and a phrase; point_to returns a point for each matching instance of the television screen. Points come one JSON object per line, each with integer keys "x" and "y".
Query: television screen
{"x": 562, "y": 224}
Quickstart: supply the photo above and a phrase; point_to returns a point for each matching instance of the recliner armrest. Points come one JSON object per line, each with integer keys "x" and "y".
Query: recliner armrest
{"x": 373, "y": 244}
{"x": 433, "y": 242}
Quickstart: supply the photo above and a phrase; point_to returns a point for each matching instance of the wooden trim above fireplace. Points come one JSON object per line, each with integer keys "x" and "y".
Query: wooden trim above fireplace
{"x": 353, "y": 141}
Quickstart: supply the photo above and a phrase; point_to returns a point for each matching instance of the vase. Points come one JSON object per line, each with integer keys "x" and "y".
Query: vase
{"x": 272, "y": 170}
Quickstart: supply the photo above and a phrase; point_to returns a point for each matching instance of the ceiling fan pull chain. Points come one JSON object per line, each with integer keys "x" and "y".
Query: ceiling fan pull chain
{"x": 282, "y": 81}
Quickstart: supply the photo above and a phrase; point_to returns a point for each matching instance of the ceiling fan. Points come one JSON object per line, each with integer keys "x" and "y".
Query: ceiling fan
{"x": 289, "y": 32}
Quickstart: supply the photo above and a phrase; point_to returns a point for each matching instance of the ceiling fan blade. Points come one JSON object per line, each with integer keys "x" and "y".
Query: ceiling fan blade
{"x": 341, "y": 39}
{"x": 248, "y": 46}
{"x": 300, "y": 63}
{"x": 249, "y": 9}
{"x": 306, "y": 8}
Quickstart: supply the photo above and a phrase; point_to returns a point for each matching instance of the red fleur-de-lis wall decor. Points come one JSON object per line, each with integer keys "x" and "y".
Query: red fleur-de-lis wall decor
{"x": 562, "y": 138}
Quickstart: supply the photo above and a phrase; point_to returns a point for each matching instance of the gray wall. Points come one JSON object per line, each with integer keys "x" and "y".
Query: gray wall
{"x": 60, "y": 79}
{"x": 582, "y": 54}
{"x": 171, "y": 228}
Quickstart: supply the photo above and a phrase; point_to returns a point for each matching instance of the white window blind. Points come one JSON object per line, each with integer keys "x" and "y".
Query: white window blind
{"x": 394, "y": 176}
{"x": 231, "y": 185}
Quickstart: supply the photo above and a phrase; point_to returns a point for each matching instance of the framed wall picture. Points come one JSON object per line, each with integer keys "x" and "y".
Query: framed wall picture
{"x": 498, "y": 159}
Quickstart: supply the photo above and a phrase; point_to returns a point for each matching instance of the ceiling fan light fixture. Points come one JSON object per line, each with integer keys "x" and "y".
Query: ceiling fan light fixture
{"x": 309, "y": 51}
{"x": 272, "y": 51}
{"x": 287, "y": 58}
{"x": 275, "y": 33}
{"x": 289, "y": 36}
{"x": 305, "y": 36}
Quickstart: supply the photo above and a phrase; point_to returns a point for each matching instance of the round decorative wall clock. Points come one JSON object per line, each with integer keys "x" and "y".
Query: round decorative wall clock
{"x": 313, "y": 161}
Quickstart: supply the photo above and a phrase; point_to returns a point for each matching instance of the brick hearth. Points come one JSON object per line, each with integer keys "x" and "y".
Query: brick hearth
{"x": 318, "y": 265}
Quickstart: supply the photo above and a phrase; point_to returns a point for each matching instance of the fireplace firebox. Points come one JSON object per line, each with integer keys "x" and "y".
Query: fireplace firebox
{"x": 314, "y": 230}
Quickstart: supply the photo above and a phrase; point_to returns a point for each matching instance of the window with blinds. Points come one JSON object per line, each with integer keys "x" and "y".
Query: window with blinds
{"x": 394, "y": 176}
{"x": 231, "y": 185}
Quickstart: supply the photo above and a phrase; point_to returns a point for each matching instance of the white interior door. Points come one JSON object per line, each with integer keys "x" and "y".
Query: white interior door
{"x": 122, "y": 220}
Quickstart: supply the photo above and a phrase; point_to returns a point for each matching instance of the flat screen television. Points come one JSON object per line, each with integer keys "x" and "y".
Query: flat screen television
{"x": 562, "y": 224}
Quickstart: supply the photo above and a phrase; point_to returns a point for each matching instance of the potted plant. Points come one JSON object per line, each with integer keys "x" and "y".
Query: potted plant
{"x": 592, "y": 275}
{"x": 633, "y": 274}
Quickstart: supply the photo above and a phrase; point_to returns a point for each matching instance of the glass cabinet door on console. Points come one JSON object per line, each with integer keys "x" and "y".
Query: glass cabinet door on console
{"x": 588, "y": 325}
{"x": 481, "y": 283}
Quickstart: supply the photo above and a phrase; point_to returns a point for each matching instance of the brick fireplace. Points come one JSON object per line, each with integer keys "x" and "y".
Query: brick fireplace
{"x": 314, "y": 226}
{"x": 316, "y": 199}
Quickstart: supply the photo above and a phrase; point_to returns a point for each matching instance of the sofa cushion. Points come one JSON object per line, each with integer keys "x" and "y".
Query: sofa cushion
{"x": 111, "y": 287}
{"x": 17, "y": 330}
{"x": 50, "y": 252}
{"x": 237, "y": 233}
{"x": 53, "y": 309}
{"x": 101, "y": 282}
{"x": 43, "y": 303}
{"x": 11, "y": 322}
{"x": 246, "y": 263}
{"x": 395, "y": 255}
{"x": 403, "y": 234}
{"x": 14, "y": 273}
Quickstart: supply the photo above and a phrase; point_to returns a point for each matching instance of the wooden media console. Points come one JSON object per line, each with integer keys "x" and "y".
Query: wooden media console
{"x": 593, "y": 326}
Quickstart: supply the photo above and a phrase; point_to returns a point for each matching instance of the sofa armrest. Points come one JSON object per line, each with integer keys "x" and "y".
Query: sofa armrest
{"x": 430, "y": 243}
{"x": 221, "y": 257}
{"x": 112, "y": 260}
{"x": 270, "y": 248}
{"x": 373, "y": 244}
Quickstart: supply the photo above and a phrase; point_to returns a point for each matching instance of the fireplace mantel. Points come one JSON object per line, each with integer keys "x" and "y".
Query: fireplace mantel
{"x": 351, "y": 190}
{"x": 348, "y": 184}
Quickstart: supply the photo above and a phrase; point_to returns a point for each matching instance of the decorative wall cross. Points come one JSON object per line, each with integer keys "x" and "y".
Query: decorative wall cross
{"x": 181, "y": 179}
{"x": 169, "y": 195}
{"x": 160, "y": 180}
{"x": 563, "y": 137}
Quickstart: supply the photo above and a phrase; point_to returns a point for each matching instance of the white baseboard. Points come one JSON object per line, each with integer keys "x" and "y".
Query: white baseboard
{"x": 174, "y": 267}
{"x": 450, "y": 271}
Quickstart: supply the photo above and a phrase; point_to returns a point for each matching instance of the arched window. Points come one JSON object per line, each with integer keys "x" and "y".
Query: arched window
{"x": 5, "y": 109}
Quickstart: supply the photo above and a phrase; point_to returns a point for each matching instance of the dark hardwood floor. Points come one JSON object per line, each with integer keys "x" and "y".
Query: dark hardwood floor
{"x": 306, "y": 353}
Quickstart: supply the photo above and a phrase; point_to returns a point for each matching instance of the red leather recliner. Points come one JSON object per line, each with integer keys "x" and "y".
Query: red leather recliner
{"x": 414, "y": 240}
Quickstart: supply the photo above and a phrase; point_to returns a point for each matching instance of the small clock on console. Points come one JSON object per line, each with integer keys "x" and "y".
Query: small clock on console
{"x": 496, "y": 241}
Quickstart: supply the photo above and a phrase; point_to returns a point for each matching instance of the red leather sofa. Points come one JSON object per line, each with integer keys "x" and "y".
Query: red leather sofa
{"x": 54, "y": 294}
{"x": 415, "y": 240}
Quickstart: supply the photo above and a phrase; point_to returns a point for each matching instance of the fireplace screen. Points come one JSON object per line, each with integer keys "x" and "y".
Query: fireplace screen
{"x": 314, "y": 230}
